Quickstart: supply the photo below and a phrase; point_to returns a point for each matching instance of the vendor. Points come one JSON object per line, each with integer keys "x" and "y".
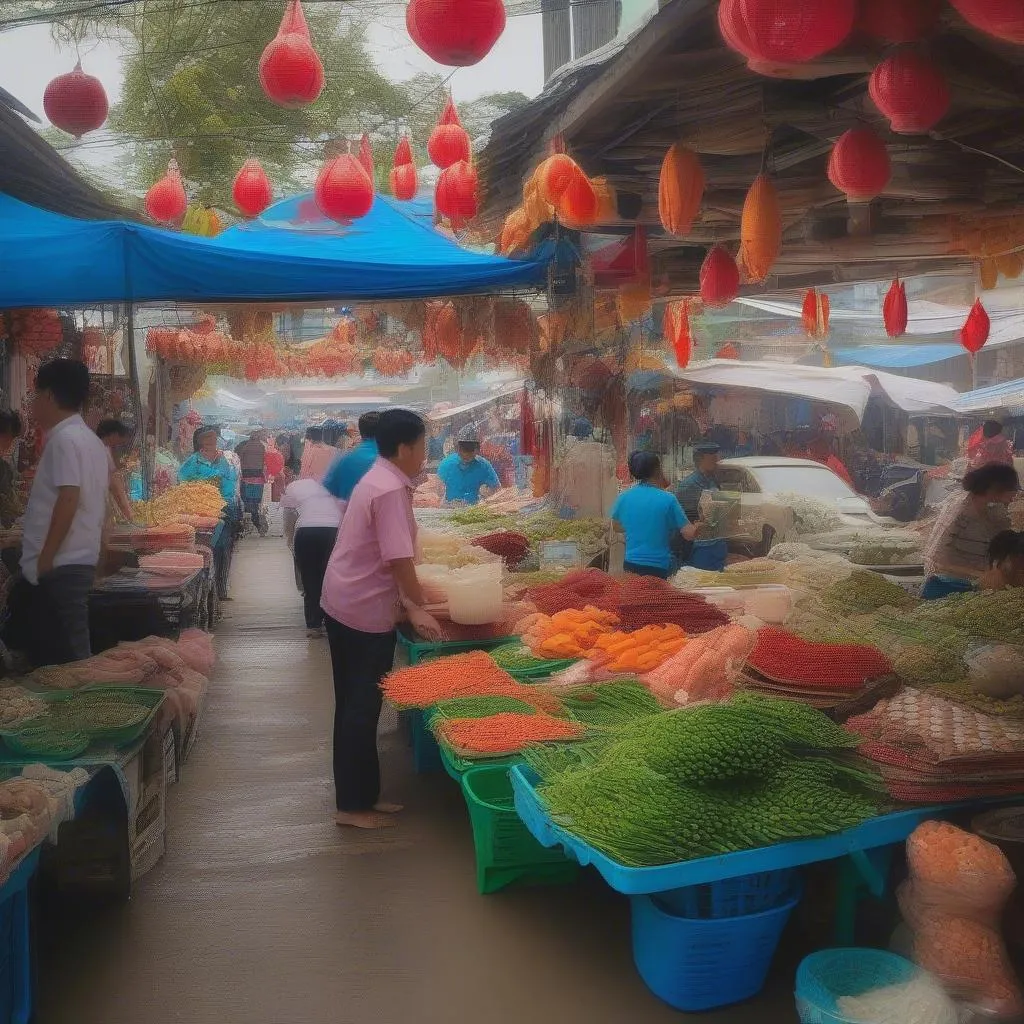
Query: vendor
{"x": 1006, "y": 562}
{"x": 650, "y": 517}
{"x": 710, "y": 555}
{"x": 465, "y": 474}
{"x": 115, "y": 436}
{"x": 957, "y": 552}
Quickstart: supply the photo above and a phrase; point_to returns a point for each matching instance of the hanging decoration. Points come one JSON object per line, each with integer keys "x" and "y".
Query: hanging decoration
{"x": 815, "y": 314}
{"x": 448, "y": 142}
{"x": 1003, "y": 19}
{"x": 456, "y": 195}
{"x": 403, "y": 171}
{"x": 343, "y": 190}
{"x": 607, "y": 200}
{"x": 633, "y": 301}
{"x": 445, "y": 337}
{"x": 577, "y": 206}
{"x": 457, "y": 33}
{"x": 988, "y": 270}
{"x": 719, "y": 278}
{"x": 251, "y": 191}
{"x": 680, "y": 189}
{"x": 676, "y": 327}
{"x": 975, "y": 330}
{"x": 894, "y": 310}
{"x": 1010, "y": 265}
{"x": 859, "y": 165}
{"x": 769, "y": 33}
{"x": 290, "y": 70}
{"x": 366, "y": 155}
{"x": 760, "y": 229}
{"x": 515, "y": 233}
{"x": 728, "y": 351}
{"x": 166, "y": 201}
{"x": 555, "y": 175}
{"x": 898, "y": 21}
{"x": 537, "y": 210}
{"x": 76, "y": 102}
{"x": 911, "y": 91}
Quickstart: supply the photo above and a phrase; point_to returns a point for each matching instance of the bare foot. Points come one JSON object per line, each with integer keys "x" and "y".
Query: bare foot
{"x": 364, "y": 819}
{"x": 383, "y": 807}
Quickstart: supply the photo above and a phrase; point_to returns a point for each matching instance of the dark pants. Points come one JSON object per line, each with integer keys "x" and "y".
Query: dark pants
{"x": 60, "y": 615}
{"x": 935, "y": 589}
{"x": 646, "y": 570}
{"x": 312, "y": 551}
{"x": 360, "y": 661}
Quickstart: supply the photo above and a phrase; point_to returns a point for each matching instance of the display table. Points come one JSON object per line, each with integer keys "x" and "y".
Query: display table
{"x": 132, "y": 604}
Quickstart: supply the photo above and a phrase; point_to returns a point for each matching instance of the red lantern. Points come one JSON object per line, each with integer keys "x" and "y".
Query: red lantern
{"x": 76, "y": 102}
{"x": 448, "y": 142}
{"x": 403, "y": 171}
{"x": 772, "y": 32}
{"x": 911, "y": 91}
{"x": 719, "y": 278}
{"x": 1003, "y": 19}
{"x": 555, "y": 175}
{"x": 403, "y": 152}
{"x": 974, "y": 332}
{"x": 578, "y": 206}
{"x": 366, "y": 155}
{"x": 898, "y": 21}
{"x": 859, "y": 165}
{"x": 815, "y": 313}
{"x": 455, "y": 32}
{"x": 677, "y": 331}
{"x": 166, "y": 201}
{"x": 894, "y": 310}
{"x": 290, "y": 70}
{"x": 456, "y": 195}
{"x": 252, "y": 192}
{"x": 343, "y": 189}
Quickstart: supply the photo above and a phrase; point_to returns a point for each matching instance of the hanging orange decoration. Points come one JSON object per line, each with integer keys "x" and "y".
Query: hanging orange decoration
{"x": 403, "y": 172}
{"x": 728, "y": 351}
{"x": 894, "y": 310}
{"x": 515, "y": 232}
{"x": 680, "y": 189}
{"x": 859, "y": 165}
{"x": 815, "y": 313}
{"x": 760, "y": 228}
{"x": 343, "y": 190}
{"x": 607, "y": 202}
{"x": 1011, "y": 265}
{"x": 577, "y": 206}
{"x": 676, "y": 328}
{"x": 251, "y": 190}
{"x": 719, "y": 278}
{"x": 166, "y": 201}
{"x": 290, "y": 70}
{"x": 555, "y": 175}
{"x": 448, "y": 142}
{"x": 537, "y": 210}
{"x": 366, "y": 155}
{"x": 633, "y": 301}
{"x": 456, "y": 195}
{"x": 975, "y": 331}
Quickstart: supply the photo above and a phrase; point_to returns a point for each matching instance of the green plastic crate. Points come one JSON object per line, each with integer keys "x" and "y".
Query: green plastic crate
{"x": 506, "y": 853}
{"x": 457, "y": 766}
{"x": 420, "y": 650}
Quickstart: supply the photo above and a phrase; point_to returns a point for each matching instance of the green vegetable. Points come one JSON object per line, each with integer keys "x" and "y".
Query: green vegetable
{"x": 611, "y": 704}
{"x": 864, "y": 591}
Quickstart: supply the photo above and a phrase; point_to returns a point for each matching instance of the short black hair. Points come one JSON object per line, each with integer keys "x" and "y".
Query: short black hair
{"x": 198, "y": 433}
{"x": 368, "y": 425}
{"x": 10, "y": 423}
{"x": 996, "y": 476}
{"x": 643, "y": 466}
{"x": 67, "y": 380}
{"x": 397, "y": 427}
{"x": 991, "y": 428}
{"x": 469, "y": 446}
{"x": 314, "y": 433}
{"x": 1005, "y": 545}
{"x": 107, "y": 427}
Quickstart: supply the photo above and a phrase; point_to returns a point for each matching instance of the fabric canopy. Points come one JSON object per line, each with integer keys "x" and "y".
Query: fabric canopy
{"x": 1008, "y": 396}
{"x": 897, "y": 357}
{"x": 292, "y": 253}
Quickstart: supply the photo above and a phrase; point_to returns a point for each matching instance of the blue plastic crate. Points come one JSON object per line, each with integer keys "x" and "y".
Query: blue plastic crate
{"x": 15, "y": 945}
{"x": 749, "y": 894}
{"x": 825, "y": 977}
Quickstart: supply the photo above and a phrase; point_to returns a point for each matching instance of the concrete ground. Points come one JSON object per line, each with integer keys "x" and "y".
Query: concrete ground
{"x": 264, "y": 912}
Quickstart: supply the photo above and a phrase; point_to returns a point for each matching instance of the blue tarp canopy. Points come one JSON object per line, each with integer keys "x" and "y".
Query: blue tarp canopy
{"x": 897, "y": 357}
{"x": 291, "y": 253}
{"x": 1008, "y": 396}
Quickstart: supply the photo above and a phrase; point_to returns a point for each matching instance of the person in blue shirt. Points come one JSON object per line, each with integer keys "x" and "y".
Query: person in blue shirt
{"x": 651, "y": 518}
{"x": 710, "y": 555}
{"x": 464, "y": 473}
{"x": 346, "y": 471}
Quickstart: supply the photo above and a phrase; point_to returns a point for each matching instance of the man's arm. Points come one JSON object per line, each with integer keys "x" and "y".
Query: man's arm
{"x": 64, "y": 509}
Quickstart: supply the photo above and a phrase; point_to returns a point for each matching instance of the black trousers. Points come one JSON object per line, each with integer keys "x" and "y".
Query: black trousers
{"x": 645, "y": 570}
{"x": 359, "y": 661}
{"x": 312, "y": 551}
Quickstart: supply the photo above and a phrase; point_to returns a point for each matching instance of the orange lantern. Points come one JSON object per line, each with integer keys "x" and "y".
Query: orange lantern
{"x": 607, "y": 202}
{"x": 859, "y": 165}
{"x": 894, "y": 310}
{"x": 676, "y": 328}
{"x": 536, "y": 209}
{"x": 166, "y": 201}
{"x": 760, "y": 228}
{"x": 719, "y": 278}
{"x": 290, "y": 70}
{"x": 343, "y": 190}
{"x": 815, "y": 313}
{"x": 448, "y": 142}
{"x": 456, "y": 195}
{"x": 555, "y": 175}
{"x": 680, "y": 189}
{"x": 989, "y": 269}
{"x": 975, "y": 331}
{"x": 577, "y": 206}
{"x": 515, "y": 232}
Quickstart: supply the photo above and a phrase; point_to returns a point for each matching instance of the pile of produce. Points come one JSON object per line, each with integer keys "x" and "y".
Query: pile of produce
{"x": 785, "y": 658}
{"x": 885, "y": 554}
{"x": 640, "y": 651}
{"x": 811, "y": 516}
{"x": 923, "y": 666}
{"x": 517, "y": 659}
{"x": 614, "y": 703}
{"x": 703, "y": 670}
{"x": 505, "y": 733}
{"x": 864, "y": 591}
{"x": 449, "y": 549}
{"x": 570, "y": 633}
{"x": 539, "y": 526}
{"x": 510, "y": 546}
{"x": 742, "y": 574}
{"x": 17, "y": 704}
{"x": 984, "y": 614}
{"x": 172, "y": 563}
{"x": 478, "y": 707}
{"x": 190, "y": 499}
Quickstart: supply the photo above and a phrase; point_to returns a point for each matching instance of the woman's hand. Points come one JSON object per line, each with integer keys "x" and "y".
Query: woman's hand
{"x": 425, "y": 624}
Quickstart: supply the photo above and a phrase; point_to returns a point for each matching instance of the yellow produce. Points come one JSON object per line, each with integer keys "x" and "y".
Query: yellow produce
{"x": 192, "y": 499}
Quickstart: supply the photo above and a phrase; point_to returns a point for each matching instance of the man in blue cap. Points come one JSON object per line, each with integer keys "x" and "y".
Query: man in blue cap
{"x": 702, "y": 554}
{"x": 465, "y": 473}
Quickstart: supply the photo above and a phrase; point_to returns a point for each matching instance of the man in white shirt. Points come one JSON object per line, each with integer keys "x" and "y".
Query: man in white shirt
{"x": 63, "y": 525}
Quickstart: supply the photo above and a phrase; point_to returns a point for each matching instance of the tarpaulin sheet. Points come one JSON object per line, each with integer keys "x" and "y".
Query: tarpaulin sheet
{"x": 897, "y": 357}
{"x": 1009, "y": 396}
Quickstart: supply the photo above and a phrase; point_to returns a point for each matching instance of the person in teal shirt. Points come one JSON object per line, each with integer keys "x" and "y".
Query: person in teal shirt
{"x": 207, "y": 464}
{"x": 651, "y": 518}
{"x": 346, "y": 471}
{"x": 710, "y": 555}
{"x": 465, "y": 473}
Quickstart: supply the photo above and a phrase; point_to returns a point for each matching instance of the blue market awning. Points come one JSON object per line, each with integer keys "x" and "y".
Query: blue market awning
{"x": 292, "y": 253}
{"x": 896, "y": 357}
{"x": 1008, "y": 396}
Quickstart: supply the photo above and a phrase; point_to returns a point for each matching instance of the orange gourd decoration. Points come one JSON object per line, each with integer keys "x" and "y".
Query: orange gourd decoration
{"x": 680, "y": 189}
{"x": 403, "y": 172}
{"x": 448, "y": 142}
{"x": 343, "y": 189}
{"x": 894, "y": 310}
{"x": 719, "y": 278}
{"x": 515, "y": 232}
{"x": 815, "y": 313}
{"x": 760, "y": 228}
{"x": 975, "y": 330}
{"x": 456, "y": 196}
{"x": 578, "y": 205}
{"x": 555, "y": 175}
{"x": 536, "y": 209}
{"x": 607, "y": 202}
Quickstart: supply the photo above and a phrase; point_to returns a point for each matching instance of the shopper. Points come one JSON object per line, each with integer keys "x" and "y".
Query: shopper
{"x": 64, "y": 519}
{"x": 465, "y": 474}
{"x": 115, "y": 436}
{"x": 311, "y": 532}
{"x": 347, "y": 470}
{"x": 317, "y": 457}
{"x": 371, "y": 575}
{"x": 989, "y": 445}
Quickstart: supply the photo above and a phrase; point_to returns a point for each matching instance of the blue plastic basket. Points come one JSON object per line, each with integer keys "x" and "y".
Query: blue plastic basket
{"x": 731, "y": 897}
{"x": 825, "y": 977}
{"x": 696, "y": 964}
{"x": 15, "y": 946}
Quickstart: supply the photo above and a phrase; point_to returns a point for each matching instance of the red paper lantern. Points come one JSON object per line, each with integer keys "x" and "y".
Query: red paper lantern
{"x": 676, "y": 328}
{"x": 898, "y": 21}
{"x": 719, "y": 278}
{"x": 448, "y": 142}
{"x": 403, "y": 171}
{"x": 403, "y": 152}
{"x": 455, "y": 32}
{"x": 578, "y": 205}
{"x": 76, "y": 102}
{"x": 815, "y": 313}
{"x": 974, "y": 332}
{"x": 894, "y": 310}
{"x": 456, "y": 196}
{"x": 911, "y": 91}
{"x": 773, "y": 32}
{"x": 251, "y": 191}
{"x": 343, "y": 189}
{"x": 859, "y": 165}
{"x": 166, "y": 201}
{"x": 366, "y": 155}
{"x": 290, "y": 70}
{"x": 1003, "y": 19}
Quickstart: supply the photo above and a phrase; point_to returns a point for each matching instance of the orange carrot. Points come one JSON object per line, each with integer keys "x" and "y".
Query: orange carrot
{"x": 505, "y": 733}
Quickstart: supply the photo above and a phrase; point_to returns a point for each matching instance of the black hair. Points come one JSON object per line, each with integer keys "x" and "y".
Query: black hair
{"x": 991, "y": 428}
{"x": 107, "y": 427}
{"x": 368, "y": 425}
{"x": 198, "y": 433}
{"x": 993, "y": 477}
{"x": 67, "y": 380}
{"x": 10, "y": 424}
{"x": 314, "y": 433}
{"x": 469, "y": 446}
{"x": 644, "y": 465}
{"x": 397, "y": 427}
{"x": 1005, "y": 545}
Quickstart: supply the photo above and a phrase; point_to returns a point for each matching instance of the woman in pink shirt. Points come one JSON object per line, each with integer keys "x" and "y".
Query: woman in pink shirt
{"x": 370, "y": 578}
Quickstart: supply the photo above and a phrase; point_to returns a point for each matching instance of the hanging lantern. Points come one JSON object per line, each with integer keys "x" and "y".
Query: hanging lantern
{"x": 974, "y": 332}
{"x": 456, "y": 196}
{"x": 911, "y": 91}
{"x": 166, "y": 201}
{"x": 366, "y": 155}
{"x": 607, "y": 209}
{"x": 989, "y": 271}
{"x": 577, "y": 206}
{"x": 76, "y": 102}
{"x": 403, "y": 181}
{"x": 1011, "y": 265}
{"x": 773, "y": 32}
{"x": 676, "y": 327}
{"x": 719, "y": 278}
{"x": 290, "y": 70}
{"x": 859, "y": 165}
{"x": 537, "y": 210}
{"x": 251, "y": 191}
{"x": 1003, "y": 19}
{"x": 894, "y": 310}
{"x": 515, "y": 232}
{"x": 760, "y": 228}
{"x": 680, "y": 189}
{"x": 815, "y": 314}
{"x": 555, "y": 175}
{"x": 898, "y": 21}
{"x": 343, "y": 189}
{"x": 448, "y": 142}
{"x": 457, "y": 33}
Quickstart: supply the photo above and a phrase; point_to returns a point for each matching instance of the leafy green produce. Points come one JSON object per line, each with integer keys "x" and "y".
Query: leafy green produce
{"x": 921, "y": 666}
{"x": 517, "y": 657}
{"x": 610, "y": 704}
{"x": 985, "y": 614}
{"x": 865, "y": 591}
